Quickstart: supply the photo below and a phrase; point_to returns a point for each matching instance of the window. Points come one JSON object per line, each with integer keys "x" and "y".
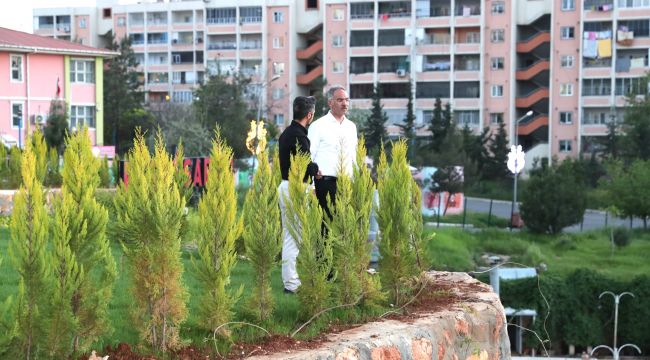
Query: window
{"x": 278, "y": 68}
{"x": 597, "y": 87}
{"x": 278, "y": 17}
{"x": 337, "y": 67}
{"x": 17, "y": 114}
{"x": 337, "y": 41}
{"x": 17, "y": 68}
{"x": 183, "y": 96}
{"x": 567, "y": 61}
{"x": 278, "y": 93}
{"x": 497, "y": 35}
{"x": 566, "y": 90}
{"x": 496, "y": 118}
{"x": 566, "y": 117}
{"x": 568, "y": 5}
{"x": 106, "y": 12}
{"x": 121, "y": 21}
{"x": 567, "y": 32}
{"x": 498, "y": 7}
{"x": 250, "y": 14}
{"x": 565, "y": 146}
{"x": 625, "y": 86}
{"x": 82, "y": 23}
{"x": 338, "y": 15}
{"x": 312, "y": 4}
{"x": 467, "y": 117}
{"x": 497, "y": 90}
{"x": 278, "y": 42}
{"x": 82, "y": 115}
{"x": 496, "y": 63}
{"x": 82, "y": 71}
{"x": 279, "y": 119}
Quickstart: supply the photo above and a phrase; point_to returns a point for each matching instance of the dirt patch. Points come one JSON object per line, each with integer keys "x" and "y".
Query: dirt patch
{"x": 438, "y": 295}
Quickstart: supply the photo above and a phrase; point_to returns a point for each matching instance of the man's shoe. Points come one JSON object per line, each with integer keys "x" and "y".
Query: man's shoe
{"x": 290, "y": 292}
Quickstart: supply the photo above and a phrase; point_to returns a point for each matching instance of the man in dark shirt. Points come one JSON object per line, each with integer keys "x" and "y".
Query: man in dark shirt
{"x": 293, "y": 139}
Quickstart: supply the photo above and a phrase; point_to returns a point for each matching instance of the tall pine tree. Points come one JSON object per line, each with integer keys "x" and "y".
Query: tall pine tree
{"x": 408, "y": 128}
{"x": 374, "y": 130}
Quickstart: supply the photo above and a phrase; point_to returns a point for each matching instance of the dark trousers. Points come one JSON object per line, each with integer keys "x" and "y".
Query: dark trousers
{"x": 326, "y": 188}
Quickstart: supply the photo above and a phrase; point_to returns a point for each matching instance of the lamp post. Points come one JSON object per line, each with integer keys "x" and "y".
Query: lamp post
{"x": 515, "y": 164}
{"x": 615, "y": 350}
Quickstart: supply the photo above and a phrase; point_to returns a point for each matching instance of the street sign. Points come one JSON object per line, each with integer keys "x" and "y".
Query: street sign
{"x": 516, "y": 159}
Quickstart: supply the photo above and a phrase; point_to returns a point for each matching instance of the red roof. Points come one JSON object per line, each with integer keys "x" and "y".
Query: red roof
{"x": 13, "y": 40}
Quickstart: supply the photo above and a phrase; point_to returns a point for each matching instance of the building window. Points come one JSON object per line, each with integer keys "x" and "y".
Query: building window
{"x": 565, "y": 146}
{"x": 278, "y": 93}
{"x": 278, "y": 17}
{"x": 106, "y": 13}
{"x": 184, "y": 96}
{"x": 312, "y": 4}
{"x": 498, "y": 7}
{"x": 82, "y": 115}
{"x": 567, "y": 32}
{"x": 497, "y": 63}
{"x": 496, "y": 118}
{"x": 82, "y": 23}
{"x": 497, "y": 35}
{"x": 568, "y": 5}
{"x": 497, "y": 90}
{"x": 82, "y": 71}
{"x": 337, "y": 41}
{"x": 566, "y": 117}
{"x": 121, "y": 21}
{"x": 566, "y": 90}
{"x": 279, "y": 119}
{"x": 17, "y": 68}
{"x": 567, "y": 61}
{"x": 337, "y": 67}
{"x": 278, "y": 68}
{"x": 17, "y": 114}
{"x": 278, "y": 42}
{"x": 467, "y": 117}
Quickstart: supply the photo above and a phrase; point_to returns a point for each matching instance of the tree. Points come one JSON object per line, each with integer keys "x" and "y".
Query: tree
{"x": 102, "y": 171}
{"x": 57, "y": 125}
{"x": 627, "y": 188}
{"x": 53, "y": 177}
{"x": 123, "y": 98}
{"x": 408, "y": 127}
{"x": 149, "y": 217}
{"x": 399, "y": 221}
{"x": 262, "y": 234}
{"x": 637, "y": 123}
{"x": 554, "y": 198}
{"x": 495, "y": 167}
{"x": 447, "y": 179}
{"x": 374, "y": 130}
{"x": 179, "y": 122}
{"x": 439, "y": 124}
{"x": 612, "y": 142}
{"x": 321, "y": 106}
{"x": 14, "y": 166}
{"x": 39, "y": 149}
{"x": 220, "y": 228}
{"x": 220, "y": 101}
{"x": 28, "y": 252}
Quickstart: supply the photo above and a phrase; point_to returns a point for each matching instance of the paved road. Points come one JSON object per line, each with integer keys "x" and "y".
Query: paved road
{"x": 593, "y": 219}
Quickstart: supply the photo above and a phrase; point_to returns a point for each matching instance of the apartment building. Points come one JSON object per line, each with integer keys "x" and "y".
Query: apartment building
{"x": 570, "y": 62}
{"x": 37, "y": 70}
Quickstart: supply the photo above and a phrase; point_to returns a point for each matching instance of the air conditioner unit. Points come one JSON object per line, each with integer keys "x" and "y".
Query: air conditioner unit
{"x": 39, "y": 118}
{"x": 401, "y": 72}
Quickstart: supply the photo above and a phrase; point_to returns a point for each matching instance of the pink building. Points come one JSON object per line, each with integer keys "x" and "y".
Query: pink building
{"x": 492, "y": 60}
{"x": 39, "y": 70}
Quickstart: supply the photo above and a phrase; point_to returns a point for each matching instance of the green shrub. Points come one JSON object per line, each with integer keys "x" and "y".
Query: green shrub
{"x": 621, "y": 236}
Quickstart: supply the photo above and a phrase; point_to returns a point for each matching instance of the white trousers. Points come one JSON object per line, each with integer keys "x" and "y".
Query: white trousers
{"x": 289, "y": 246}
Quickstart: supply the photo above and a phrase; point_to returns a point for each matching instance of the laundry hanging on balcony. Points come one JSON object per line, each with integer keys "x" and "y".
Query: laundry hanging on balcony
{"x": 604, "y": 48}
{"x": 624, "y": 36}
{"x": 597, "y": 44}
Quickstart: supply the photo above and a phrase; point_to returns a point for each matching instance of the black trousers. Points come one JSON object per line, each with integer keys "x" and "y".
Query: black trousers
{"x": 326, "y": 187}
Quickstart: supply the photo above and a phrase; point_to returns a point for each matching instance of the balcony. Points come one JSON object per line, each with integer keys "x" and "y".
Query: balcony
{"x": 533, "y": 42}
{"x": 532, "y": 98}
{"x": 310, "y": 51}
{"x": 362, "y": 11}
{"x": 533, "y": 70}
{"x": 309, "y": 77}
{"x": 529, "y": 126}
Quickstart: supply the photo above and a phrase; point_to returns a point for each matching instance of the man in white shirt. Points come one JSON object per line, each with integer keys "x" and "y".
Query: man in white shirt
{"x": 333, "y": 143}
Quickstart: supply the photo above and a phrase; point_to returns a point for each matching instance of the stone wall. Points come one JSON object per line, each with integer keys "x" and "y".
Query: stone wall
{"x": 471, "y": 329}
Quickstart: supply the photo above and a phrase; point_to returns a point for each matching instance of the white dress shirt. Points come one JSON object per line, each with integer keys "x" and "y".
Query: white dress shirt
{"x": 332, "y": 140}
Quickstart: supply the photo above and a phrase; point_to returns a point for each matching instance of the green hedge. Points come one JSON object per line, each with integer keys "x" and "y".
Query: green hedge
{"x": 577, "y": 316}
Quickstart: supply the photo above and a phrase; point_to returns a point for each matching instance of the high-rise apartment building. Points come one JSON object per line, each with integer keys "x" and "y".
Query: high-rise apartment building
{"x": 569, "y": 61}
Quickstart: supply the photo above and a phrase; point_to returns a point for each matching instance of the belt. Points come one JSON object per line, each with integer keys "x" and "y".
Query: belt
{"x": 327, "y": 178}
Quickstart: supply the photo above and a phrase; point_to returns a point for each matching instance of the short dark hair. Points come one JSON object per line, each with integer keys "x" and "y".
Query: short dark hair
{"x": 303, "y": 105}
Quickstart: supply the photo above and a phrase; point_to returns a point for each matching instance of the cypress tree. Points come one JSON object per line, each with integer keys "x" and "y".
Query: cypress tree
{"x": 14, "y": 166}
{"x": 83, "y": 259}
{"x": 314, "y": 261}
{"x": 220, "y": 228}
{"x": 40, "y": 153}
{"x": 262, "y": 235}
{"x": 104, "y": 177}
{"x": 27, "y": 250}
{"x": 397, "y": 217}
{"x": 149, "y": 219}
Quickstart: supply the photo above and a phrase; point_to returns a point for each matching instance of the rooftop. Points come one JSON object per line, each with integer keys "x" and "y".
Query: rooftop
{"x": 18, "y": 41}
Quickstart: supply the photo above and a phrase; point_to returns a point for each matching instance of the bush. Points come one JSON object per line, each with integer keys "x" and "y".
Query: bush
{"x": 621, "y": 236}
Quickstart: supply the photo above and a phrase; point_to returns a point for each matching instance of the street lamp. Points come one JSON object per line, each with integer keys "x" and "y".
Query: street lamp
{"x": 515, "y": 164}
{"x": 615, "y": 351}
